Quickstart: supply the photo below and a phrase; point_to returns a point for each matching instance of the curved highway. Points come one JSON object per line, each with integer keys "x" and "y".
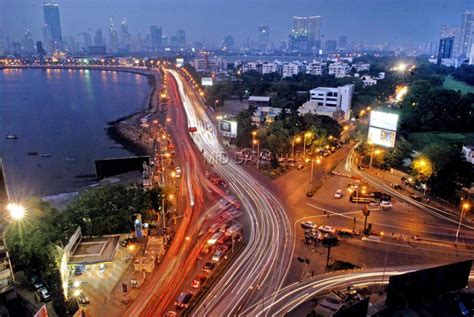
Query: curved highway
{"x": 266, "y": 259}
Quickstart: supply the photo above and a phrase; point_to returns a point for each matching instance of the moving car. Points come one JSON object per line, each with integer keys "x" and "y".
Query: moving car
{"x": 198, "y": 281}
{"x": 327, "y": 229}
{"x": 345, "y": 233}
{"x": 300, "y": 166}
{"x": 44, "y": 294}
{"x": 183, "y": 299}
{"x": 385, "y": 204}
{"x": 308, "y": 225}
{"x": 415, "y": 197}
{"x": 338, "y": 194}
{"x": 217, "y": 256}
{"x": 208, "y": 267}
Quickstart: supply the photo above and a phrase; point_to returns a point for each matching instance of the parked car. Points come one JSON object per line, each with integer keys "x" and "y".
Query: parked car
{"x": 36, "y": 282}
{"x": 338, "y": 194}
{"x": 300, "y": 166}
{"x": 198, "y": 281}
{"x": 327, "y": 229}
{"x": 217, "y": 256}
{"x": 208, "y": 267}
{"x": 345, "y": 233}
{"x": 178, "y": 172}
{"x": 83, "y": 299}
{"x": 396, "y": 186}
{"x": 79, "y": 269}
{"x": 183, "y": 299}
{"x": 308, "y": 225}
{"x": 101, "y": 268}
{"x": 385, "y": 204}
{"x": 372, "y": 238}
{"x": 44, "y": 294}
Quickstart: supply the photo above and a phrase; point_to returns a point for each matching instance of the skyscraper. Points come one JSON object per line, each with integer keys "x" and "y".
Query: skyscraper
{"x": 27, "y": 43}
{"x": 452, "y": 31}
{"x": 52, "y": 23}
{"x": 342, "y": 42}
{"x": 98, "y": 38}
{"x": 124, "y": 35}
{"x": 228, "y": 42}
{"x": 306, "y": 33}
{"x": 156, "y": 37}
{"x": 180, "y": 37}
{"x": 445, "y": 49}
{"x": 263, "y": 36}
{"x": 113, "y": 38}
{"x": 466, "y": 37}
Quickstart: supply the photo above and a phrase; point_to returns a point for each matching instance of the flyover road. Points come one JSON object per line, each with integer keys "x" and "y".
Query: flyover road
{"x": 267, "y": 256}
{"x": 293, "y": 295}
{"x": 448, "y": 217}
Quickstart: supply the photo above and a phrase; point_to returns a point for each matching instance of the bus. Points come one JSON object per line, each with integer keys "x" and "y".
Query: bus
{"x": 371, "y": 197}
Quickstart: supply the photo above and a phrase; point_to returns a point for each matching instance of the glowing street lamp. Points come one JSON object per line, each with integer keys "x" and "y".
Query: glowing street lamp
{"x": 258, "y": 152}
{"x": 307, "y": 134}
{"x": 16, "y": 211}
{"x": 254, "y": 134}
{"x": 295, "y": 140}
{"x": 466, "y": 207}
{"x": 318, "y": 161}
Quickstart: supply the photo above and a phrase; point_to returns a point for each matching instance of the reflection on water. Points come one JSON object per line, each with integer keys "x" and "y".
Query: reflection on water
{"x": 62, "y": 113}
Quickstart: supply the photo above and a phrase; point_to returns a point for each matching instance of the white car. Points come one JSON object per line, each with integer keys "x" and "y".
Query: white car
{"x": 372, "y": 238}
{"x": 338, "y": 194}
{"x": 327, "y": 229}
{"x": 385, "y": 204}
{"x": 308, "y": 225}
{"x": 178, "y": 172}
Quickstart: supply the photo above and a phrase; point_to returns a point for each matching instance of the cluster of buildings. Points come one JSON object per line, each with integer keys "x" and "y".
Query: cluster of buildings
{"x": 335, "y": 67}
{"x": 327, "y": 101}
{"x": 456, "y": 44}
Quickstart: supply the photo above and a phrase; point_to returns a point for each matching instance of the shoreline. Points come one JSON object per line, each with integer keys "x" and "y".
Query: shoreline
{"x": 124, "y": 130}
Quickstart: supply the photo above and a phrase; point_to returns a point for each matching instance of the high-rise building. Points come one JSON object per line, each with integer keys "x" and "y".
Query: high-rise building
{"x": 156, "y": 37}
{"x": 228, "y": 42}
{"x": 124, "y": 35}
{"x": 98, "y": 38}
{"x": 451, "y": 31}
{"x": 466, "y": 37}
{"x": 263, "y": 36}
{"x": 342, "y": 42}
{"x": 53, "y": 24}
{"x": 330, "y": 46}
{"x": 27, "y": 43}
{"x": 306, "y": 33}
{"x": 113, "y": 38}
{"x": 87, "y": 39}
{"x": 445, "y": 49}
{"x": 180, "y": 37}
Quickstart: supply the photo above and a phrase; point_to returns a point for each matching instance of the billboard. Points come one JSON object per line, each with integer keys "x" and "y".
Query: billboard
{"x": 382, "y": 137}
{"x": 228, "y": 128}
{"x": 179, "y": 62}
{"x": 424, "y": 285}
{"x": 383, "y": 128}
{"x": 206, "y": 81}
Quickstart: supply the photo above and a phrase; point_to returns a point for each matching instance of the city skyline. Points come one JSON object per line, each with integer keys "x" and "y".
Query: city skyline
{"x": 355, "y": 21}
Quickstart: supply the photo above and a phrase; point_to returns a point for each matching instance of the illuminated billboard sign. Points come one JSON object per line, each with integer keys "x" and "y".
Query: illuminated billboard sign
{"x": 228, "y": 128}
{"x": 384, "y": 120}
{"x": 383, "y": 128}
{"x": 206, "y": 81}
{"x": 179, "y": 62}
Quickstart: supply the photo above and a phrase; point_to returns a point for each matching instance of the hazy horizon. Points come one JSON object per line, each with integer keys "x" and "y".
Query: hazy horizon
{"x": 416, "y": 21}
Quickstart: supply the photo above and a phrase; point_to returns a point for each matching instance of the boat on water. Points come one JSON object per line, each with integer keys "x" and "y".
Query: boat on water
{"x": 116, "y": 146}
{"x": 46, "y": 155}
{"x": 11, "y": 137}
{"x": 68, "y": 159}
{"x": 32, "y": 153}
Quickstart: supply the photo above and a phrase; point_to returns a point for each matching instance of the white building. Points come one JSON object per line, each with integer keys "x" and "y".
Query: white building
{"x": 339, "y": 70}
{"x": 471, "y": 56}
{"x": 360, "y": 67}
{"x": 332, "y": 102}
{"x": 315, "y": 69}
{"x": 468, "y": 152}
{"x": 251, "y": 66}
{"x": 201, "y": 64}
{"x": 265, "y": 114}
{"x": 452, "y": 62}
{"x": 292, "y": 69}
{"x": 368, "y": 81}
{"x": 268, "y": 68}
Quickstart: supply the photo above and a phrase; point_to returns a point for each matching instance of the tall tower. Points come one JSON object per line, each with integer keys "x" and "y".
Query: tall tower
{"x": 263, "y": 36}
{"x": 53, "y": 23}
{"x": 445, "y": 49}
{"x": 113, "y": 38}
{"x": 156, "y": 33}
{"x": 125, "y": 36}
{"x": 467, "y": 30}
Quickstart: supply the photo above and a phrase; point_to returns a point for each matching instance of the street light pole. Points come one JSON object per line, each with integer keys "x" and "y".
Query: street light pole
{"x": 464, "y": 206}
{"x": 318, "y": 161}
{"x": 308, "y": 134}
{"x": 371, "y": 156}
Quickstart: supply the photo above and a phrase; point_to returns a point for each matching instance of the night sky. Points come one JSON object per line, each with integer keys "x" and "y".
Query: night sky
{"x": 211, "y": 20}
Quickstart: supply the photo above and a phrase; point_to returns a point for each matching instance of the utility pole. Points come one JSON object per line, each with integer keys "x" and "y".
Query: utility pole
{"x": 366, "y": 212}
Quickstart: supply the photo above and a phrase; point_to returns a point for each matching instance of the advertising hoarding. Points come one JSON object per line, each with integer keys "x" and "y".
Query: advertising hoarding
{"x": 228, "y": 128}
{"x": 179, "y": 62}
{"x": 206, "y": 81}
{"x": 383, "y": 128}
{"x": 384, "y": 120}
{"x": 382, "y": 137}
